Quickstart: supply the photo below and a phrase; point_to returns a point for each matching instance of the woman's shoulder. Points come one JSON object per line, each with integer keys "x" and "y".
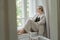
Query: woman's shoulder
{"x": 43, "y": 16}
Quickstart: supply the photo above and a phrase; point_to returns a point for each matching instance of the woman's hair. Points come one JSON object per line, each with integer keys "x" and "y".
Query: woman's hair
{"x": 41, "y": 7}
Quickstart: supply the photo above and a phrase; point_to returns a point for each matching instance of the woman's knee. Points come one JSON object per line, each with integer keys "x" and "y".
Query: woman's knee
{"x": 29, "y": 20}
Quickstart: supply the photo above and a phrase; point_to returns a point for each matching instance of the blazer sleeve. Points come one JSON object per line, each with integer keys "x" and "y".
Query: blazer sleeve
{"x": 42, "y": 20}
{"x": 34, "y": 18}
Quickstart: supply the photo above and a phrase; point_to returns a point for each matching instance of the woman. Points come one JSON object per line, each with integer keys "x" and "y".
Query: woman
{"x": 35, "y": 24}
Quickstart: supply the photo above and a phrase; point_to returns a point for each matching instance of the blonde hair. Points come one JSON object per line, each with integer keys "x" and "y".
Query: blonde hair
{"x": 40, "y": 7}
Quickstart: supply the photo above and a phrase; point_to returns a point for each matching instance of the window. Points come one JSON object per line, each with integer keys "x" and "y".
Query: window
{"x": 25, "y": 10}
{"x": 19, "y": 12}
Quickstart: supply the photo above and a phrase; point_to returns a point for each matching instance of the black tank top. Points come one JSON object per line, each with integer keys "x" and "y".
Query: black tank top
{"x": 37, "y": 19}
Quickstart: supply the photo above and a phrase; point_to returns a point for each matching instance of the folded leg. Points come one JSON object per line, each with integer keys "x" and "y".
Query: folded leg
{"x": 30, "y": 24}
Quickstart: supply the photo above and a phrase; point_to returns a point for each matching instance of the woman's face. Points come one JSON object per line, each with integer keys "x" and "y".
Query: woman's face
{"x": 39, "y": 11}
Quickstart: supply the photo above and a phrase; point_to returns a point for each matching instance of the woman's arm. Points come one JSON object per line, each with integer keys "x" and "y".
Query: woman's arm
{"x": 42, "y": 20}
{"x": 33, "y": 18}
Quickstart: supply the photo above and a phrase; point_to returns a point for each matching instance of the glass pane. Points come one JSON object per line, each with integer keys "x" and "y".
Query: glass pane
{"x": 19, "y": 22}
{"x": 19, "y": 12}
{"x": 19, "y": 7}
{"x": 27, "y": 8}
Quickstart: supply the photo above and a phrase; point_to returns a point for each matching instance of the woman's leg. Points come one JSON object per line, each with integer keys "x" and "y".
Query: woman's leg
{"x": 27, "y": 25}
{"x": 30, "y": 24}
{"x": 34, "y": 25}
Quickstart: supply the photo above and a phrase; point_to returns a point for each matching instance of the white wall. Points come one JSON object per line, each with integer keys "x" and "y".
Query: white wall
{"x": 53, "y": 17}
{"x": 41, "y": 2}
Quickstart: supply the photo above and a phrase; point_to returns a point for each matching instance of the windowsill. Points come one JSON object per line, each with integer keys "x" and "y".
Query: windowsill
{"x": 31, "y": 36}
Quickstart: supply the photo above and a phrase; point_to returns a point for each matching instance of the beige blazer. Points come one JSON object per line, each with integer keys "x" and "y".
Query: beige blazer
{"x": 41, "y": 23}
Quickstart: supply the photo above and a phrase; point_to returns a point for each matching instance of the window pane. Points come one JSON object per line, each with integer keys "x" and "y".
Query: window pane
{"x": 19, "y": 22}
{"x": 19, "y": 7}
{"x": 19, "y": 12}
{"x": 27, "y": 8}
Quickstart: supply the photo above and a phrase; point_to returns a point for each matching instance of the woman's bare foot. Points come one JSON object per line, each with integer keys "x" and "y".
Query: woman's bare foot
{"x": 20, "y": 32}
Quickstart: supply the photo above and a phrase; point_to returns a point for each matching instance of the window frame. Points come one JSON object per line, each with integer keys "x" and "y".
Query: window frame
{"x": 32, "y": 10}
